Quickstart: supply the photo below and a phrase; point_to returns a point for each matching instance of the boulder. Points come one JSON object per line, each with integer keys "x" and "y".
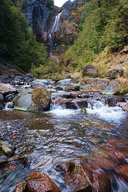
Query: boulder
{"x": 6, "y": 88}
{"x": 24, "y": 101}
{"x": 64, "y": 82}
{"x": 112, "y": 89}
{"x": 76, "y": 80}
{"x": 114, "y": 73}
{"x": 7, "y": 148}
{"x": 112, "y": 101}
{"x": 10, "y": 97}
{"x": 125, "y": 107}
{"x": 41, "y": 182}
{"x": 86, "y": 177}
{"x": 41, "y": 82}
{"x": 71, "y": 104}
{"x": 73, "y": 87}
{"x": 41, "y": 98}
{"x": 20, "y": 188}
{"x": 1, "y": 97}
{"x": 89, "y": 70}
{"x": 93, "y": 85}
{"x": 35, "y": 100}
{"x": 123, "y": 170}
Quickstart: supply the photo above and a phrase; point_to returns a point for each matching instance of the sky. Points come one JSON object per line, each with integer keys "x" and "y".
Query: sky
{"x": 59, "y": 3}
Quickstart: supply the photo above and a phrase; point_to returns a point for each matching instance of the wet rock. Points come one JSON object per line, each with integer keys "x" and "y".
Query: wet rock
{"x": 6, "y": 88}
{"x": 20, "y": 188}
{"x": 89, "y": 70}
{"x": 24, "y": 101}
{"x": 86, "y": 177}
{"x": 83, "y": 111}
{"x": 123, "y": 170}
{"x": 9, "y": 105}
{"x": 41, "y": 82}
{"x": 1, "y": 106}
{"x": 75, "y": 80}
{"x": 114, "y": 73}
{"x": 41, "y": 98}
{"x": 103, "y": 159}
{"x": 73, "y": 87}
{"x": 125, "y": 107}
{"x": 112, "y": 89}
{"x": 111, "y": 102}
{"x": 64, "y": 82}
{"x": 38, "y": 181}
{"x": 7, "y": 148}
{"x": 1, "y": 97}
{"x": 93, "y": 85}
{"x": 10, "y": 97}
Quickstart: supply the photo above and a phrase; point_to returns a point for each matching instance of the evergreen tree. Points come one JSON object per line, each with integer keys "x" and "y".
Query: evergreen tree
{"x": 17, "y": 42}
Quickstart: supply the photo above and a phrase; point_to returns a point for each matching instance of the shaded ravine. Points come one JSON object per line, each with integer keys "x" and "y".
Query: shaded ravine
{"x": 59, "y": 136}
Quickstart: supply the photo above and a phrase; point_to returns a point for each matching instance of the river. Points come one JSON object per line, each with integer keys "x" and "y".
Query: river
{"x": 60, "y": 135}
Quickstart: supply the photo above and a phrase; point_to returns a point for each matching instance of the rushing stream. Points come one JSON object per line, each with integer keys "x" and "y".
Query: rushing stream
{"x": 60, "y": 135}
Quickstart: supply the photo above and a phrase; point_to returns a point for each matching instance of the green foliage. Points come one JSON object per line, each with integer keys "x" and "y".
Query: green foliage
{"x": 17, "y": 42}
{"x": 105, "y": 26}
{"x": 48, "y": 68}
{"x": 50, "y": 2}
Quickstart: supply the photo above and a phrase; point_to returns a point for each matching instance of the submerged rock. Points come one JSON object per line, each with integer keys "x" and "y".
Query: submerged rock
{"x": 86, "y": 177}
{"x": 123, "y": 171}
{"x": 38, "y": 181}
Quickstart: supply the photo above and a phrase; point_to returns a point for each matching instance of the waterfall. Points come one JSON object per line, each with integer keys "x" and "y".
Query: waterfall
{"x": 54, "y": 29}
{"x": 55, "y": 26}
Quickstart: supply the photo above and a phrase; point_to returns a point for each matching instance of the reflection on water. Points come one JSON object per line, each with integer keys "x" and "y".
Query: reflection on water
{"x": 61, "y": 135}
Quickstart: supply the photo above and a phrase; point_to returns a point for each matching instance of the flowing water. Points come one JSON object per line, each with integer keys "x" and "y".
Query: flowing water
{"x": 60, "y": 135}
{"x": 54, "y": 29}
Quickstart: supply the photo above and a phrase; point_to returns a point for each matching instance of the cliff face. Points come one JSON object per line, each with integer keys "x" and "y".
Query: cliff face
{"x": 42, "y": 17}
{"x": 39, "y": 15}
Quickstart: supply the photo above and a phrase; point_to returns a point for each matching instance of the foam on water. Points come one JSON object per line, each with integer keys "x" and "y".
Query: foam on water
{"x": 114, "y": 114}
{"x": 62, "y": 111}
{"x": 7, "y": 106}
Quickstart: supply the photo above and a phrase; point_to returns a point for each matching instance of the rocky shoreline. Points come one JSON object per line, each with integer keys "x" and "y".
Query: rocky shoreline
{"x": 37, "y": 95}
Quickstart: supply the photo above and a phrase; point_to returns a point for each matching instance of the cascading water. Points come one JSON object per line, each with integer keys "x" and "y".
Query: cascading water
{"x": 61, "y": 135}
{"x": 54, "y": 29}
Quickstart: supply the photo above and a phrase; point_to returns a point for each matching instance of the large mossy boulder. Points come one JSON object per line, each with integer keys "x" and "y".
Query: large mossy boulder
{"x": 41, "y": 97}
{"x": 33, "y": 100}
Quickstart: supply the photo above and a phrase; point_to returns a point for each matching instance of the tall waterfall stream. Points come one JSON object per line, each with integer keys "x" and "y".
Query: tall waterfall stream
{"x": 54, "y": 29}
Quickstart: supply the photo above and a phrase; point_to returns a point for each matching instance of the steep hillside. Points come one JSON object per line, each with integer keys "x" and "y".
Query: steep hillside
{"x": 105, "y": 27}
